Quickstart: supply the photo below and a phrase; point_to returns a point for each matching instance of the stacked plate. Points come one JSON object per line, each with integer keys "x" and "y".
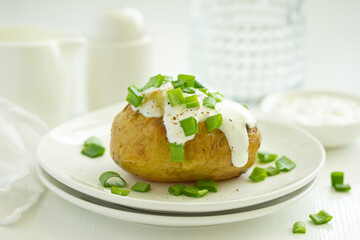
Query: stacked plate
{"x": 74, "y": 177}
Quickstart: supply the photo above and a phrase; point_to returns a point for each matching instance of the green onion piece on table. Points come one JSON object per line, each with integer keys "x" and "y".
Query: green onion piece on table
{"x": 216, "y": 96}
{"x": 176, "y": 189}
{"x": 193, "y": 191}
{"x": 119, "y": 191}
{"x": 342, "y": 187}
{"x": 92, "y": 140}
{"x": 134, "y": 97}
{"x": 109, "y": 179}
{"x": 285, "y": 164}
{"x": 93, "y": 151}
{"x": 271, "y": 171}
{"x": 266, "y": 157}
{"x": 154, "y": 81}
{"x": 141, "y": 187}
{"x": 189, "y": 125}
{"x": 177, "y": 152}
{"x": 337, "y": 178}
{"x": 213, "y": 122}
{"x": 299, "y": 227}
{"x": 188, "y": 90}
{"x": 321, "y": 217}
{"x": 258, "y": 174}
{"x": 198, "y": 85}
{"x": 178, "y": 84}
{"x": 209, "y": 102}
{"x": 210, "y": 185}
{"x": 175, "y": 96}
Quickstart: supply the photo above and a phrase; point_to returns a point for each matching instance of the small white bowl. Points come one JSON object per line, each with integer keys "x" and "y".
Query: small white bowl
{"x": 330, "y": 135}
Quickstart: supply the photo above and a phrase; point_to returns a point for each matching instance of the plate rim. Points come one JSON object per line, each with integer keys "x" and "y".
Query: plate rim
{"x": 159, "y": 206}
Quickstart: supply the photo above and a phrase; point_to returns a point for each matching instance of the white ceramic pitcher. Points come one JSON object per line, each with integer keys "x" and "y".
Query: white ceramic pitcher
{"x": 36, "y": 70}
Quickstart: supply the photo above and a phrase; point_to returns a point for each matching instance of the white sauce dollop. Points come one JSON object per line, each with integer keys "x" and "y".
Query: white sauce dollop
{"x": 318, "y": 109}
{"x": 235, "y": 119}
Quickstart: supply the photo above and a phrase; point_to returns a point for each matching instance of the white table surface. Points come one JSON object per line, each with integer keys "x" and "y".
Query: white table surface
{"x": 55, "y": 218}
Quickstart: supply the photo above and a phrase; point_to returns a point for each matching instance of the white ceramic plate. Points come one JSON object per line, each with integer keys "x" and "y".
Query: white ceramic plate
{"x": 59, "y": 153}
{"x": 171, "y": 220}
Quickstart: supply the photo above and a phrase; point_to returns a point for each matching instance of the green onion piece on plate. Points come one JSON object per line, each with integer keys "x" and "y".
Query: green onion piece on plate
{"x": 188, "y": 90}
{"x": 271, "y": 171}
{"x": 337, "y": 178}
{"x": 193, "y": 191}
{"x": 284, "y": 164}
{"x": 177, "y": 152}
{"x": 109, "y": 179}
{"x": 209, "y": 102}
{"x": 299, "y": 227}
{"x": 210, "y": 185}
{"x": 154, "y": 81}
{"x": 321, "y": 217}
{"x": 119, "y": 191}
{"x": 92, "y": 140}
{"x": 93, "y": 151}
{"x": 189, "y": 125}
{"x": 342, "y": 187}
{"x": 198, "y": 85}
{"x": 266, "y": 157}
{"x": 175, "y": 96}
{"x": 176, "y": 189}
{"x": 141, "y": 187}
{"x": 215, "y": 95}
{"x": 213, "y": 122}
{"x": 258, "y": 174}
{"x": 134, "y": 97}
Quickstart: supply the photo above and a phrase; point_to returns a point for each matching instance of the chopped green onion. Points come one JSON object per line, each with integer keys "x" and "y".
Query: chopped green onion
{"x": 119, "y": 191}
{"x": 175, "y": 96}
{"x": 178, "y": 84}
{"x": 177, "y": 152}
{"x": 189, "y": 80}
{"x": 198, "y": 85}
{"x": 210, "y": 185}
{"x": 191, "y": 101}
{"x": 93, "y": 151}
{"x": 189, "y": 125}
{"x": 136, "y": 87}
{"x": 209, "y": 102}
{"x": 193, "y": 191}
{"x": 342, "y": 187}
{"x": 92, "y": 140}
{"x": 188, "y": 90}
{"x": 134, "y": 97}
{"x": 299, "y": 227}
{"x": 245, "y": 106}
{"x": 266, "y": 157}
{"x": 337, "y": 178}
{"x": 109, "y": 179}
{"x": 321, "y": 218}
{"x": 166, "y": 78}
{"x": 176, "y": 189}
{"x": 271, "y": 171}
{"x": 213, "y": 122}
{"x": 258, "y": 174}
{"x": 285, "y": 164}
{"x": 216, "y": 96}
{"x": 204, "y": 90}
{"x": 141, "y": 187}
{"x": 154, "y": 81}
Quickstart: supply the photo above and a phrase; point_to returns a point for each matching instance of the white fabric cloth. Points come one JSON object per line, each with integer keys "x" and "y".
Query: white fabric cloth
{"x": 20, "y": 132}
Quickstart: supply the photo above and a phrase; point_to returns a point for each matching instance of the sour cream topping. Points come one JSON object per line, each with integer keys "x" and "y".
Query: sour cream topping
{"x": 235, "y": 119}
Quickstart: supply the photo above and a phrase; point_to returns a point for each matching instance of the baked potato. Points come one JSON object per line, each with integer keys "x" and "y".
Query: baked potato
{"x": 139, "y": 145}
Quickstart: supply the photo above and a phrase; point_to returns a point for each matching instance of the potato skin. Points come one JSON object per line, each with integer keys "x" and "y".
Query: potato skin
{"x": 139, "y": 145}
